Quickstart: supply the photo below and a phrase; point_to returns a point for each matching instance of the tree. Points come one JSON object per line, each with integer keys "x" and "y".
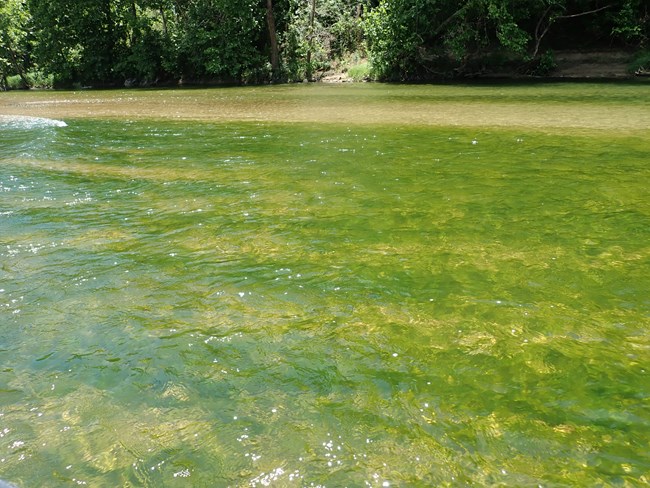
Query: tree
{"x": 14, "y": 48}
{"x": 411, "y": 39}
{"x": 146, "y": 50}
{"x": 220, "y": 39}
{"x": 554, "y": 11}
{"x": 320, "y": 32}
{"x": 393, "y": 38}
{"x": 103, "y": 42}
{"x": 632, "y": 23}
{"x": 273, "y": 40}
{"x": 77, "y": 41}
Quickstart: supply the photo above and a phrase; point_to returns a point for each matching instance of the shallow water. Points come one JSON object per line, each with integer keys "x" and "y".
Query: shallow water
{"x": 214, "y": 303}
{"x": 619, "y": 108}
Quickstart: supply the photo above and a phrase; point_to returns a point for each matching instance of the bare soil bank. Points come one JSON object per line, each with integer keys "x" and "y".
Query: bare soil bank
{"x": 586, "y": 65}
{"x": 592, "y": 64}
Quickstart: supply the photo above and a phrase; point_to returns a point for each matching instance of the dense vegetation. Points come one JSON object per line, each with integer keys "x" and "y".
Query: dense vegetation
{"x": 143, "y": 42}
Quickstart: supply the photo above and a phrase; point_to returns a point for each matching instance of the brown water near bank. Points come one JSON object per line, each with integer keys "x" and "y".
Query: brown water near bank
{"x": 561, "y": 106}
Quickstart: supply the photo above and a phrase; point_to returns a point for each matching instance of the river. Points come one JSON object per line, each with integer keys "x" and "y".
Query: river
{"x": 367, "y": 285}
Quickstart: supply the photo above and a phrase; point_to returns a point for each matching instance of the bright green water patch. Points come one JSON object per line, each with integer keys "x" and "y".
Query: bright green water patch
{"x": 209, "y": 304}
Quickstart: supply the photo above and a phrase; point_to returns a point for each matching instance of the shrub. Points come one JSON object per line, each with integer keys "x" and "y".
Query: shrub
{"x": 15, "y": 83}
{"x": 360, "y": 71}
{"x": 36, "y": 79}
{"x": 640, "y": 63}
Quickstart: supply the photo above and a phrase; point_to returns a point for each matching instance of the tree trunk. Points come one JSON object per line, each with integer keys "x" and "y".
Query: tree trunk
{"x": 273, "y": 40}
{"x": 164, "y": 22}
{"x": 17, "y": 66}
{"x": 540, "y": 33}
{"x": 135, "y": 31}
{"x": 24, "y": 80}
{"x": 310, "y": 40}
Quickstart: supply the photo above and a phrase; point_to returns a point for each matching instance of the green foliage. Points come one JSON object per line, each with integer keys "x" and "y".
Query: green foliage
{"x": 346, "y": 35}
{"x": 14, "y": 39}
{"x": 640, "y": 64}
{"x": 40, "y": 79}
{"x": 413, "y": 39}
{"x": 140, "y": 42}
{"x": 544, "y": 64}
{"x": 219, "y": 39}
{"x": 144, "y": 47}
{"x": 409, "y": 39}
{"x": 509, "y": 34}
{"x": 360, "y": 71}
{"x": 77, "y": 40}
{"x": 15, "y": 82}
{"x": 35, "y": 79}
{"x": 393, "y": 41}
{"x": 631, "y": 26}
{"x": 320, "y": 32}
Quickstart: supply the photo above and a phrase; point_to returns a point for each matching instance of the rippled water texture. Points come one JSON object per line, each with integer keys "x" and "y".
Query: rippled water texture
{"x": 262, "y": 302}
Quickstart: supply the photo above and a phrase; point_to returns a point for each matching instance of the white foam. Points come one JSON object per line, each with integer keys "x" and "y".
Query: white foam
{"x": 27, "y": 122}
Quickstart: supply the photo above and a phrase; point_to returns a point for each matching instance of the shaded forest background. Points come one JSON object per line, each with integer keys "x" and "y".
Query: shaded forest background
{"x": 162, "y": 42}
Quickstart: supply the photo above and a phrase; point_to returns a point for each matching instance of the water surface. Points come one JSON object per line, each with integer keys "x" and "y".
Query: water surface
{"x": 300, "y": 303}
{"x": 619, "y": 108}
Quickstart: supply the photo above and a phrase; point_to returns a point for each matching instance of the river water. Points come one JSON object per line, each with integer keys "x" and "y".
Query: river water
{"x": 251, "y": 300}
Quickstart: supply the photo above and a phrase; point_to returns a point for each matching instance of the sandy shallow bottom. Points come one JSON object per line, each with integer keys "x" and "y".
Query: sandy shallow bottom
{"x": 608, "y": 107}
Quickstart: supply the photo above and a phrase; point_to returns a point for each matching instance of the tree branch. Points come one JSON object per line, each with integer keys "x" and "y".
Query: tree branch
{"x": 539, "y": 36}
{"x": 583, "y": 13}
{"x": 444, "y": 23}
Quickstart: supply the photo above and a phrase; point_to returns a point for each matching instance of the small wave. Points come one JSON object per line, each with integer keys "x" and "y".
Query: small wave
{"x": 27, "y": 122}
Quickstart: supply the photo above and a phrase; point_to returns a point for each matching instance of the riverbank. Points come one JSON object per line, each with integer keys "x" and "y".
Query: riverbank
{"x": 569, "y": 65}
{"x": 593, "y": 64}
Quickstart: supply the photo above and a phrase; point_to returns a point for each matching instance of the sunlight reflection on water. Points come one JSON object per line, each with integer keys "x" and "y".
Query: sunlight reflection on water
{"x": 28, "y": 122}
{"x": 294, "y": 305}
